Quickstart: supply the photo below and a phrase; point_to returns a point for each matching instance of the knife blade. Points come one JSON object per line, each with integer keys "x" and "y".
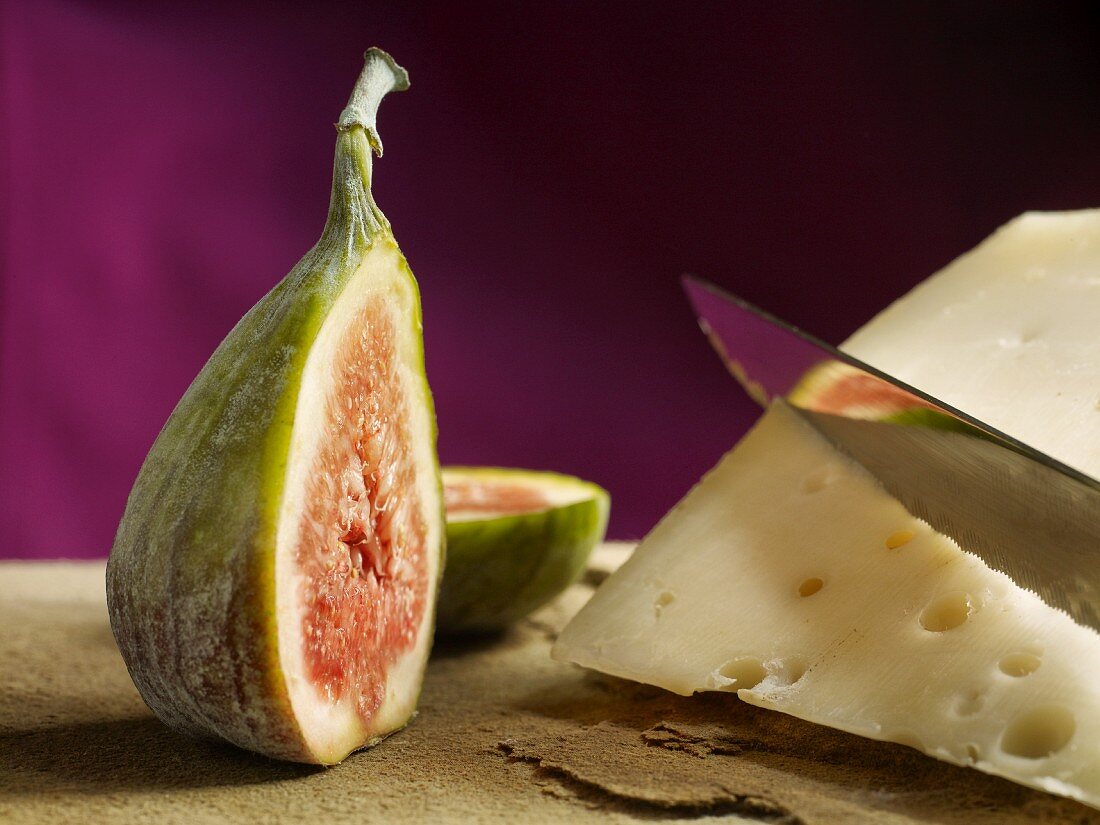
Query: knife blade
{"x": 1021, "y": 511}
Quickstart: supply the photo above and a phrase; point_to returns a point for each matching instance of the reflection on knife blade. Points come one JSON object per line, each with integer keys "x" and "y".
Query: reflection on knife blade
{"x": 1021, "y": 511}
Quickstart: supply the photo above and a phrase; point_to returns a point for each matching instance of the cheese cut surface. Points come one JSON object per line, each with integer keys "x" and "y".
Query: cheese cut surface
{"x": 789, "y": 576}
{"x": 1010, "y": 333}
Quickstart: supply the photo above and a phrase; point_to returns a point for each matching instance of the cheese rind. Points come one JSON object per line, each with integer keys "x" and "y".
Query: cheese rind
{"x": 1009, "y": 333}
{"x": 789, "y": 576}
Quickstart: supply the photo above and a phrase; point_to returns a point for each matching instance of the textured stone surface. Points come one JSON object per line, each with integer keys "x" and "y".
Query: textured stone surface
{"x": 503, "y": 731}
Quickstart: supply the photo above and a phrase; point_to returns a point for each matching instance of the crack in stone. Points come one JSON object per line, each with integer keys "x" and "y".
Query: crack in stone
{"x": 664, "y": 735}
{"x": 560, "y": 781}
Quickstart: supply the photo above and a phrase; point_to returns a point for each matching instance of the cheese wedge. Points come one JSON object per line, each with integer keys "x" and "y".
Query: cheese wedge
{"x": 1010, "y": 333}
{"x": 789, "y": 576}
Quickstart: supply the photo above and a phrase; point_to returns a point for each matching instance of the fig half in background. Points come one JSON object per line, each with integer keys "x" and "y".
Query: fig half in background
{"x": 274, "y": 577}
{"x": 515, "y": 540}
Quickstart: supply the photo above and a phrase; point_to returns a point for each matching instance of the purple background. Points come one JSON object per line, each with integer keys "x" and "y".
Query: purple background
{"x": 552, "y": 172}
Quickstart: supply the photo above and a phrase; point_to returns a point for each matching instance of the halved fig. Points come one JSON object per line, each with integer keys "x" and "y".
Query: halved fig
{"x": 274, "y": 576}
{"x": 516, "y": 539}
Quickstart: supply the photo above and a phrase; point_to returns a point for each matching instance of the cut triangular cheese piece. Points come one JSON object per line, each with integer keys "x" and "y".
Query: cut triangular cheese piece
{"x": 788, "y": 575}
{"x": 1009, "y": 333}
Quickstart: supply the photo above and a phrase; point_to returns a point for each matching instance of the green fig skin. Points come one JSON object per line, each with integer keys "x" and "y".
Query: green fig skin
{"x": 191, "y": 574}
{"x": 502, "y": 568}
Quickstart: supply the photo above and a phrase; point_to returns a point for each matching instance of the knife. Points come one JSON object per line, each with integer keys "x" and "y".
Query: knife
{"x": 1021, "y": 511}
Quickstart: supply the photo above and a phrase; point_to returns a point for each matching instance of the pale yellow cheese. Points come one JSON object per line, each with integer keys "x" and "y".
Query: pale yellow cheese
{"x": 789, "y": 576}
{"x": 1009, "y": 333}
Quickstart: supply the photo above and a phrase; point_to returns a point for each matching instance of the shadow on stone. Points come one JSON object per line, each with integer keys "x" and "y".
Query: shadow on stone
{"x": 128, "y": 755}
{"x": 450, "y": 646}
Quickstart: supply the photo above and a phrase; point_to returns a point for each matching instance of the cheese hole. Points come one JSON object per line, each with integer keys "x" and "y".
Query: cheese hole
{"x": 663, "y": 601}
{"x": 744, "y": 672}
{"x": 973, "y": 753}
{"x": 815, "y": 482}
{"x": 970, "y": 702}
{"x": 793, "y": 670}
{"x": 899, "y": 539}
{"x": 946, "y": 612}
{"x": 1019, "y": 664}
{"x": 809, "y": 587}
{"x": 1038, "y": 733}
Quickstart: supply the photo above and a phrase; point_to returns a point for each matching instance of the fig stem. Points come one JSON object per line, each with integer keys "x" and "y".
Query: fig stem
{"x": 380, "y": 76}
